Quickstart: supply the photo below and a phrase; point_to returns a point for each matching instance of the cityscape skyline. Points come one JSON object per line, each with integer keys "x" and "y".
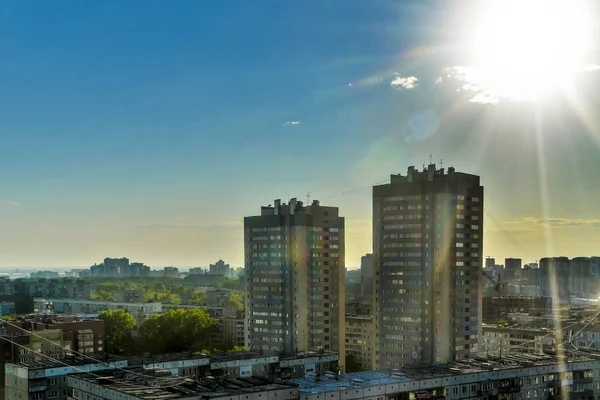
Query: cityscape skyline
{"x": 140, "y": 142}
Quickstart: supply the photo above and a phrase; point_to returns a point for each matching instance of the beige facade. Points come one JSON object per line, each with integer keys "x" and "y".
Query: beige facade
{"x": 359, "y": 340}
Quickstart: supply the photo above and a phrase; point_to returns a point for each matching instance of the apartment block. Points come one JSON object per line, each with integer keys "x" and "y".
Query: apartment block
{"x": 496, "y": 308}
{"x": 427, "y": 250}
{"x": 575, "y": 376}
{"x": 294, "y": 271}
{"x": 149, "y": 385}
{"x": 359, "y": 340}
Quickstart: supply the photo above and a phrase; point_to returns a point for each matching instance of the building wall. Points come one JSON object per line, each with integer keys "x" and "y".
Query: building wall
{"x": 427, "y": 244}
{"x": 294, "y": 257}
{"x": 359, "y": 334}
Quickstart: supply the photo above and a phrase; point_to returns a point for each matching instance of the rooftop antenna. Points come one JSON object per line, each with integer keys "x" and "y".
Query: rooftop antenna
{"x": 430, "y": 159}
{"x": 307, "y": 198}
{"x": 442, "y": 163}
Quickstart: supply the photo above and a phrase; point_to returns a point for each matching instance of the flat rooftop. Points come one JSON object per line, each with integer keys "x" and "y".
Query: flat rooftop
{"x": 44, "y": 363}
{"x": 358, "y": 380}
{"x": 158, "y": 384}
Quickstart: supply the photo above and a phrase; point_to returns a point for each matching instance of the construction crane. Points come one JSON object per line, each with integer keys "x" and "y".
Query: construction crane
{"x": 496, "y": 282}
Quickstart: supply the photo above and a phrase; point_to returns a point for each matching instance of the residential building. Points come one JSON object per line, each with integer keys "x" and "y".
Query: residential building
{"x": 46, "y": 379}
{"x": 505, "y": 340}
{"x": 7, "y": 308}
{"x": 129, "y": 295}
{"x": 149, "y": 385}
{"x": 220, "y": 268}
{"x": 359, "y": 334}
{"x": 523, "y": 376}
{"x": 294, "y": 258}
{"x": 496, "y": 308}
{"x": 35, "y": 337}
{"x": 555, "y": 278}
{"x": 427, "y": 250}
{"x": 93, "y": 308}
{"x": 512, "y": 269}
{"x": 582, "y": 282}
{"x": 366, "y": 275}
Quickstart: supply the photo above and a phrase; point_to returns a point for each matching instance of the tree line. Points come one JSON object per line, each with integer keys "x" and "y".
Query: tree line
{"x": 171, "y": 332}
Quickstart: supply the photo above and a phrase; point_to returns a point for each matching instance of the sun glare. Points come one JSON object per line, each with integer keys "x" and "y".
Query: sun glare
{"x": 524, "y": 48}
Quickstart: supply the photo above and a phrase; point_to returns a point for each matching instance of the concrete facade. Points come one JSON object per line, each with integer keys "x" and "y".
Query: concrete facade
{"x": 294, "y": 271}
{"x": 427, "y": 248}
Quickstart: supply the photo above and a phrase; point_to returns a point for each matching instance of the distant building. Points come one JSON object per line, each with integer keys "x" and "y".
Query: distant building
{"x": 555, "y": 278}
{"x": 427, "y": 250}
{"x": 119, "y": 267}
{"x": 294, "y": 258}
{"x": 359, "y": 334}
{"x": 497, "y": 308}
{"x": 129, "y": 296}
{"x": 92, "y": 308}
{"x": 7, "y": 308}
{"x": 366, "y": 275}
{"x": 220, "y": 268}
{"x": 44, "y": 274}
{"x": 512, "y": 268}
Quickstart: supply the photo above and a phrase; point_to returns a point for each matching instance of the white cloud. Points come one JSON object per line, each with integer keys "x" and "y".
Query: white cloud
{"x": 291, "y": 123}
{"x": 13, "y": 203}
{"x": 406, "y": 82}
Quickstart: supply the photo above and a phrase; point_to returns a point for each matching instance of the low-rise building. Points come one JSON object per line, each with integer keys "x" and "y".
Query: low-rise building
{"x": 359, "y": 337}
{"x": 576, "y": 376}
{"x": 119, "y": 385}
{"x": 47, "y": 378}
{"x": 93, "y": 308}
{"x": 502, "y": 340}
{"x": 497, "y": 308}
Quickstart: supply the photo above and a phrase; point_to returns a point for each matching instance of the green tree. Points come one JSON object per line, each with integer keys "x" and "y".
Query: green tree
{"x": 236, "y": 300}
{"x": 197, "y": 299}
{"x": 103, "y": 295}
{"x": 176, "y": 331}
{"x": 118, "y": 327}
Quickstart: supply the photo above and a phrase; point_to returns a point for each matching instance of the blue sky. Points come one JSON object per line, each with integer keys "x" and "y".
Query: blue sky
{"x": 151, "y": 131}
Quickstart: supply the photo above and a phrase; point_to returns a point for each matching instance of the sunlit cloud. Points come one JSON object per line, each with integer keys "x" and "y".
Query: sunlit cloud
{"x": 490, "y": 86}
{"x": 557, "y": 221}
{"x": 13, "y": 203}
{"x": 405, "y": 82}
{"x": 288, "y": 123}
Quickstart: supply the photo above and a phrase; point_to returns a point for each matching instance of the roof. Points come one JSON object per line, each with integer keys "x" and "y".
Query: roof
{"x": 358, "y": 380}
{"x": 45, "y": 363}
{"x": 162, "y": 385}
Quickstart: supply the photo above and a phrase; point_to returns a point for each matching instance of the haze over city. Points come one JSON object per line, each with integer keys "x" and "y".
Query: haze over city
{"x": 151, "y": 132}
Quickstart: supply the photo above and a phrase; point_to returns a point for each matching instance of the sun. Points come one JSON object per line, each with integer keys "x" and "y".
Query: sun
{"x": 524, "y": 48}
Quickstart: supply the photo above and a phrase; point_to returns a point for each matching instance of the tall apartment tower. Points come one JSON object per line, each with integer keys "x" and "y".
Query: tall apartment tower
{"x": 427, "y": 249}
{"x": 294, "y": 268}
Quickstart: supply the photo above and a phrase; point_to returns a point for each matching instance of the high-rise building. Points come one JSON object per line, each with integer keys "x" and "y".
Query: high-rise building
{"x": 512, "y": 268}
{"x": 427, "y": 249}
{"x": 294, "y": 269}
{"x": 555, "y": 277}
{"x": 366, "y": 275}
